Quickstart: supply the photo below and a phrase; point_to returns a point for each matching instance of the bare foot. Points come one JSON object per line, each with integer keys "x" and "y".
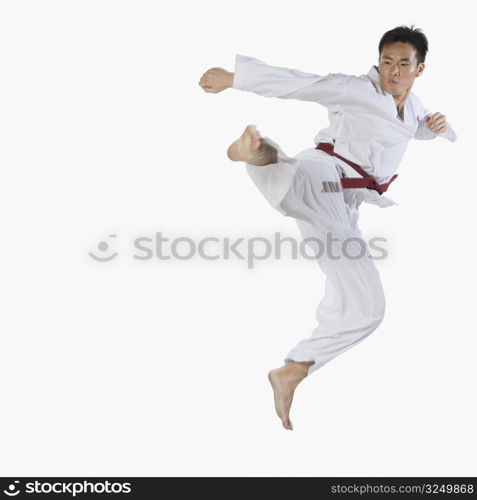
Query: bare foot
{"x": 251, "y": 148}
{"x": 284, "y": 381}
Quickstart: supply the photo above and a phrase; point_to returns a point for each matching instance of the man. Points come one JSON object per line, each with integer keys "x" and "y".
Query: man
{"x": 372, "y": 118}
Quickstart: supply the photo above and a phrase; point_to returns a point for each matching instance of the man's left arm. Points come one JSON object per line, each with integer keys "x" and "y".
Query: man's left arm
{"x": 432, "y": 125}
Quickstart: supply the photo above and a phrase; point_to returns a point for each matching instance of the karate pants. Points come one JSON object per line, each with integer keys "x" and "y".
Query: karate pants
{"x": 307, "y": 188}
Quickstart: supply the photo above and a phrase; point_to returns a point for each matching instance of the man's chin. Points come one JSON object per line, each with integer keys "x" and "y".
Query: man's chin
{"x": 394, "y": 91}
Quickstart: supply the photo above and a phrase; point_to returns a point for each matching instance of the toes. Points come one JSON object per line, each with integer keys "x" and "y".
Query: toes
{"x": 256, "y": 139}
{"x": 287, "y": 424}
{"x": 249, "y": 129}
{"x": 256, "y": 144}
{"x": 252, "y": 130}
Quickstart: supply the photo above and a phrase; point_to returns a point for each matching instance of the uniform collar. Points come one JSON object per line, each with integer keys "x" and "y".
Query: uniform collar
{"x": 373, "y": 75}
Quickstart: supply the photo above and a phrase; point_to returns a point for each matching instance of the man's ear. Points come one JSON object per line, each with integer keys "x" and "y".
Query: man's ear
{"x": 420, "y": 69}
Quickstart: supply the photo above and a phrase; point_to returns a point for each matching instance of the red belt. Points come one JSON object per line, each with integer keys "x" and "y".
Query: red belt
{"x": 366, "y": 181}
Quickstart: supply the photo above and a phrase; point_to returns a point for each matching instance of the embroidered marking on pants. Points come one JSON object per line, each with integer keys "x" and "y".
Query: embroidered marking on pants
{"x": 331, "y": 187}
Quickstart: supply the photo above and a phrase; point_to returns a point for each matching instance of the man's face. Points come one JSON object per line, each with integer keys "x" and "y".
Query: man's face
{"x": 398, "y": 68}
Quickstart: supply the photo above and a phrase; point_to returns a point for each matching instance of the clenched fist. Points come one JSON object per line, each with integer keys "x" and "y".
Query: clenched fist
{"x": 216, "y": 79}
{"x": 436, "y": 123}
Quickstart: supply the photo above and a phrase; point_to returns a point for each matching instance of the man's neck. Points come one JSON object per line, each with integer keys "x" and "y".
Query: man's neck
{"x": 401, "y": 99}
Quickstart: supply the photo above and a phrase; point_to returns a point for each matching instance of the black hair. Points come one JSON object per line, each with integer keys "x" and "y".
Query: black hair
{"x": 413, "y": 36}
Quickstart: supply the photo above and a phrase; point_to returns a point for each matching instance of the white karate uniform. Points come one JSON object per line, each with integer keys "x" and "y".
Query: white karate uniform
{"x": 366, "y": 129}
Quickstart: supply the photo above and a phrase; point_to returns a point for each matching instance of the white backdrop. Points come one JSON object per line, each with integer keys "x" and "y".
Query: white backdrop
{"x": 157, "y": 367}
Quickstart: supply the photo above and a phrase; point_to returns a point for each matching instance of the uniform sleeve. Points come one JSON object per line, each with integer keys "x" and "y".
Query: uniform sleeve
{"x": 424, "y": 134}
{"x": 255, "y": 76}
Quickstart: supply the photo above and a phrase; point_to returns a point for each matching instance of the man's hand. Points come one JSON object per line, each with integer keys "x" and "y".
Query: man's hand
{"x": 216, "y": 79}
{"x": 436, "y": 123}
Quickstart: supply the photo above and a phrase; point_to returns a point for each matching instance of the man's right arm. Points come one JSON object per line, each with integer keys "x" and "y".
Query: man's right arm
{"x": 255, "y": 76}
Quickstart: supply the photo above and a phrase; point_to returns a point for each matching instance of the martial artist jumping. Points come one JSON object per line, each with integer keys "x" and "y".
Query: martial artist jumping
{"x": 372, "y": 118}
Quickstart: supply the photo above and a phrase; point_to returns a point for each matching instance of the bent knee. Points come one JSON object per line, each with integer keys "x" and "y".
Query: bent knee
{"x": 380, "y": 305}
{"x": 374, "y": 309}
{"x": 378, "y": 309}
